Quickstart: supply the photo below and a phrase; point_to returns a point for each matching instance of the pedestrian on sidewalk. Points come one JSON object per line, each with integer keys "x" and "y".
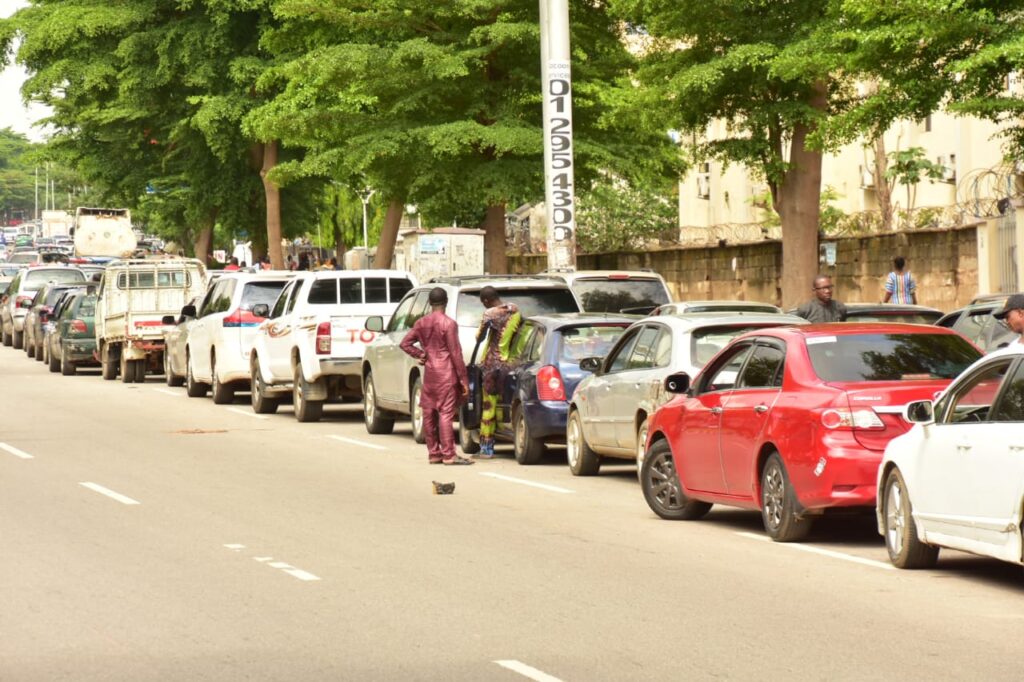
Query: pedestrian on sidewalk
{"x": 822, "y": 308}
{"x": 1012, "y": 313}
{"x": 500, "y": 323}
{"x": 900, "y": 286}
{"x": 445, "y": 382}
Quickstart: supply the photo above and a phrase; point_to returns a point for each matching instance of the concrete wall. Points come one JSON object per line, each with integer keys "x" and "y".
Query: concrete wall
{"x": 945, "y": 263}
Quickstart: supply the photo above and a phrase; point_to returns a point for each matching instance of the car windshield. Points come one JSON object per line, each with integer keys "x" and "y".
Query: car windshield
{"x": 87, "y": 306}
{"x": 35, "y": 279}
{"x": 55, "y": 293}
{"x": 895, "y": 316}
{"x": 707, "y": 341}
{"x": 255, "y": 293}
{"x": 614, "y": 295}
{"x": 539, "y": 301}
{"x": 890, "y": 357}
{"x": 24, "y": 257}
{"x": 591, "y": 341}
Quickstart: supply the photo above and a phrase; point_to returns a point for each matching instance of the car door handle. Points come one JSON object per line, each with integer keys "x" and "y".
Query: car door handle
{"x": 716, "y": 410}
{"x": 760, "y": 409}
{"x": 1017, "y": 448}
{"x": 963, "y": 447}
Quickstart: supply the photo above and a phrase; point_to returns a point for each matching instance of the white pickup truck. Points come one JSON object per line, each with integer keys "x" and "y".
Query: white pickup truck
{"x": 313, "y": 339}
{"x": 133, "y": 298}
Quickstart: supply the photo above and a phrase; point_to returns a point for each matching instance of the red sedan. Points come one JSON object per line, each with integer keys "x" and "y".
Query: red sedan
{"x": 793, "y": 420}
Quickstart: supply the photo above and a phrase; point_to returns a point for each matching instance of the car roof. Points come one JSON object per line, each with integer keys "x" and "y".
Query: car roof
{"x": 570, "y": 275}
{"x": 689, "y": 321}
{"x": 501, "y": 282}
{"x": 256, "y": 276}
{"x": 855, "y": 328}
{"x": 559, "y": 320}
{"x": 325, "y": 274}
{"x": 895, "y": 307}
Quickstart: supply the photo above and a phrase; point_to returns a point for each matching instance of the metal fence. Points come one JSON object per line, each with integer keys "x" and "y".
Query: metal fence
{"x": 1006, "y": 250}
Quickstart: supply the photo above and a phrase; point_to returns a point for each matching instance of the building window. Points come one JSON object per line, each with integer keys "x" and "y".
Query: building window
{"x": 704, "y": 181}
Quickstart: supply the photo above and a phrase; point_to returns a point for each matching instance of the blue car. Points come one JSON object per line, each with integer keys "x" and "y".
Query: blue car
{"x": 547, "y": 350}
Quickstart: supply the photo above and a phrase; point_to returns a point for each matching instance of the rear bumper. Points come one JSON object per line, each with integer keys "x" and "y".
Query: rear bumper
{"x": 839, "y": 473}
{"x": 340, "y": 366}
{"x": 547, "y": 418}
{"x": 18, "y": 320}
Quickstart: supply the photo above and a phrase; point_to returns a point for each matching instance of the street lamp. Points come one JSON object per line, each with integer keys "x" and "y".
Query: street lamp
{"x": 364, "y": 196}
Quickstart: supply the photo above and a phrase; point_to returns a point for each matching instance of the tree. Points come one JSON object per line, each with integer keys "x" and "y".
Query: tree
{"x": 615, "y": 215}
{"x": 17, "y": 176}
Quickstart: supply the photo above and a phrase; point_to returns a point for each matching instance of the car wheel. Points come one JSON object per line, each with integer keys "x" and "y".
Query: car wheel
{"x": 261, "y": 402}
{"x": 108, "y": 365}
{"x": 172, "y": 379}
{"x": 901, "y": 540}
{"x": 376, "y": 422}
{"x": 583, "y": 461}
{"x": 54, "y": 363}
{"x": 779, "y": 508}
{"x": 529, "y": 450}
{"x": 193, "y": 388}
{"x": 8, "y": 340}
{"x": 305, "y": 410}
{"x": 659, "y": 481}
{"x": 416, "y": 412}
{"x": 30, "y": 345}
{"x": 222, "y": 393}
{"x": 66, "y": 368}
{"x": 41, "y": 350}
{"x": 469, "y": 440}
{"x": 18, "y": 339}
{"x": 127, "y": 370}
{"x": 139, "y": 371}
{"x": 641, "y": 445}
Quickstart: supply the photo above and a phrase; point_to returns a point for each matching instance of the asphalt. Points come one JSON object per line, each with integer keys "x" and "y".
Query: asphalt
{"x": 266, "y": 549}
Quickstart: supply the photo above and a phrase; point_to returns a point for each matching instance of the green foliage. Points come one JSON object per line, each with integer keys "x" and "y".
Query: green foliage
{"x": 17, "y": 176}
{"x": 616, "y": 216}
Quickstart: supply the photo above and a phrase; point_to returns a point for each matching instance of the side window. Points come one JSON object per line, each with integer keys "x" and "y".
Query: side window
{"x": 419, "y": 308}
{"x": 278, "y": 310}
{"x": 620, "y": 354}
{"x": 350, "y": 290}
{"x": 972, "y": 325}
{"x": 1011, "y": 403}
{"x": 972, "y": 401}
{"x": 397, "y": 322}
{"x": 764, "y": 370}
{"x": 203, "y": 308}
{"x": 398, "y": 287}
{"x": 642, "y": 356}
{"x": 323, "y": 292}
{"x": 723, "y": 375}
{"x": 293, "y": 299}
{"x": 522, "y": 343}
{"x": 375, "y": 289}
{"x": 663, "y": 351}
{"x": 537, "y": 347}
{"x": 220, "y": 299}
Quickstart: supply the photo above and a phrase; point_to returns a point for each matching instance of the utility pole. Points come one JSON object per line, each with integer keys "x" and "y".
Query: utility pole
{"x": 364, "y": 196}
{"x": 36, "y": 209}
{"x": 559, "y": 184}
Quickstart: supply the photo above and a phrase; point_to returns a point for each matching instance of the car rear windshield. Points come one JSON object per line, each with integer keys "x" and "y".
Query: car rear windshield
{"x": 591, "y": 341}
{"x": 154, "y": 279}
{"x": 255, "y": 293}
{"x": 896, "y": 316}
{"x": 55, "y": 293}
{"x": 346, "y": 290}
{"x": 614, "y": 295}
{"x": 738, "y": 308}
{"x": 890, "y": 357}
{"x": 539, "y": 301}
{"x": 87, "y": 306}
{"x": 25, "y": 258}
{"x": 707, "y": 341}
{"x": 35, "y": 279}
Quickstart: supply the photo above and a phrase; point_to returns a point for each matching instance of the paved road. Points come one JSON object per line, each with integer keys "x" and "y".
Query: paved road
{"x": 149, "y": 536}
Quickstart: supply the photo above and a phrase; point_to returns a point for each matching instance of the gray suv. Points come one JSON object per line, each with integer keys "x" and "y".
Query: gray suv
{"x": 16, "y": 301}
{"x": 391, "y": 379}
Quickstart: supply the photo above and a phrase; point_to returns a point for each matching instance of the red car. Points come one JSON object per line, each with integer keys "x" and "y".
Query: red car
{"x": 793, "y": 420}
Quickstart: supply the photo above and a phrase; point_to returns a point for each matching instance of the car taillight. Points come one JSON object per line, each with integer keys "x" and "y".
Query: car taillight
{"x": 857, "y": 418}
{"x": 242, "y": 318}
{"x": 77, "y": 327}
{"x": 549, "y": 384}
{"x": 323, "y": 338}
{"x": 23, "y": 301}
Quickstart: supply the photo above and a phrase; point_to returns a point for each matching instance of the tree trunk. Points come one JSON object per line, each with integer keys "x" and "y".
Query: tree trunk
{"x": 799, "y": 209}
{"x": 494, "y": 240}
{"x": 203, "y": 239}
{"x": 389, "y": 235}
{"x": 273, "y": 195}
{"x": 339, "y": 244}
{"x": 883, "y": 190}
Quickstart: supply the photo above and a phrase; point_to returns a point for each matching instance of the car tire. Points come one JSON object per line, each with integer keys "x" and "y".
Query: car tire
{"x": 780, "y": 510}
{"x": 126, "y": 369}
{"x": 41, "y": 353}
{"x": 901, "y": 540}
{"x": 172, "y": 379}
{"x": 416, "y": 412}
{"x": 222, "y": 394}
{"x": 469, "y": 440}
{"x": 583, "y": 461}
{"x": 66, "y": 368}
{"x": 305, "y": 410}
{"x": 528, "y": 450}
{"x": 18, "y": 339}
{"x": 193, "y": 388}
{"x": 139, "y": 371}
{"x": 374, "y": 418}
{"x": 261, "y": 402}
{"x": 7, "y": 339}
{"x": 108, "y": 367}
{"x": 54, "y": 364}
{"x": 641, "y": 444}
{"x": 30, "y": 346}
{"x": 662, "y": 490}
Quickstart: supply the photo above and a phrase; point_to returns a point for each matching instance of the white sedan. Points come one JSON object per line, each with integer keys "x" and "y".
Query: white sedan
{"x": 957, "y": 478}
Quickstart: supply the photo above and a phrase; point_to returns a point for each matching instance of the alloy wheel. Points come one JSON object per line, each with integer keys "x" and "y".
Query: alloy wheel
{"x": 664, "y": 485}
{"x": 369, "y": 401}
{"x": 894, "y": 524}
{"x": 773, "y": 495}
{"x": 572, "y": 442}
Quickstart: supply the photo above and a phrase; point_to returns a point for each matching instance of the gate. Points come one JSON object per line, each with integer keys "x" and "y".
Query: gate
{"x": 1006, "y": 248}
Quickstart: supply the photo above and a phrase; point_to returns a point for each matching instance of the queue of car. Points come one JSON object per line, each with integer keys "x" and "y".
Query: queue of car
{"x": 717, "y": 402}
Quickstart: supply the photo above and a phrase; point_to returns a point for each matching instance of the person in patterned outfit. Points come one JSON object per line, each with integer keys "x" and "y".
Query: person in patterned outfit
{"x": 500, "y": 323}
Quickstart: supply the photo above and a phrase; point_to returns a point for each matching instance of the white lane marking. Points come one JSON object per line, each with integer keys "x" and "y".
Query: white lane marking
{"x": 360, "y": 443}
{"x": 245, "y": 413}
{"x": 262, "y": 559}
{"x": 286, "y": 568}
{"x": 521, "y": 481}
{"x": 15, "y": 451}
{"x": 123, "y": 499}
{"x": 301, "y": 575}
{"x": 167, "y": 392}
{"x": 280, "y": 564}
{"x": 527, "y": 671}
{"x": 822, "y": 552}
{"x": 235, "y": 547}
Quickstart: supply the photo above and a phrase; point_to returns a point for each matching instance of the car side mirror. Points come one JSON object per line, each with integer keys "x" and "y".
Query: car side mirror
{"x": 677, "y": 383}
{"x": 188, "y": 311}
{"x": 261, "y": 310}
{"x": 919, "y": 412}
{"x": 168, "y": 320}
{"x": 590, "y": 364}
{"x": 374, "y": 323}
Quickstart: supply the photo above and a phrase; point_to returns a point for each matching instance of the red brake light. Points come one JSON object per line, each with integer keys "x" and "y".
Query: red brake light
{"x": 549, "y": 384}
{"x": 23, "y": 301}
{"x": 323, "y": 338}
{"x": 78, "y": 327}
{"x": 618, "y": 276}
{"x": 857, "y": 418}
{"x": 242, "y": 318}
